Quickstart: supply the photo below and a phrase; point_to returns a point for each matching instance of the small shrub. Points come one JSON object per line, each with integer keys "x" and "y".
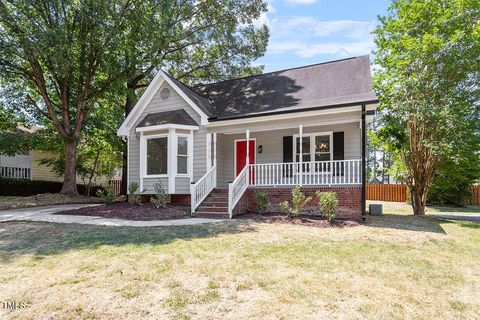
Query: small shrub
{"x": 160, "y": 198}
{"x": 261, "y": 201}
{"x": 107, "y": 194}
{"x": 133, "y": 195}
{"x": 327, "y": 201}
{"x": 299, "y": 201}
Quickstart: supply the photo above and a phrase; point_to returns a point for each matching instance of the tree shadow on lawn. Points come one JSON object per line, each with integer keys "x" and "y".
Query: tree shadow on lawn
{"x": 407, "y": 222}
{"x": 42, "y": 238}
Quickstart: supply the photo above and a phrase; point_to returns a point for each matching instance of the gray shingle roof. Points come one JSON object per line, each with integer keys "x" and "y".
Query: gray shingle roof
{"x": 200, "y": 101}
{"x": 325, "y": 84}
{"x": 174, "y": 117}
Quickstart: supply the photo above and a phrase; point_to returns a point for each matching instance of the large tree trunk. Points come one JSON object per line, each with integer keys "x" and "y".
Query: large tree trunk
{"x": 419, "y": 202}
{"x": 420, "y": 164}
{"x": 70, "y": 176}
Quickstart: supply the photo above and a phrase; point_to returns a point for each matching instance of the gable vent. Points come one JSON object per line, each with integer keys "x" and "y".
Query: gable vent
{"x": 165, "y": 93}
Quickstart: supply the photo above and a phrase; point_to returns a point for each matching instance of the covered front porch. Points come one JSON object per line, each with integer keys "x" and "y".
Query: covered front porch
{"x": 315, "y": 151}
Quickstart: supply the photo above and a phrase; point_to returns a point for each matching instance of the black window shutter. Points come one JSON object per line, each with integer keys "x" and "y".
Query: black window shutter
{"x": 288, "y": 149}
{"x": 287, "y": 155}
{"x": 338, "y": 151}
{"x": 338, "y": 146}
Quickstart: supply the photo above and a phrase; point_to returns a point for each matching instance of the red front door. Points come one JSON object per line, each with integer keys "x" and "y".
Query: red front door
{"x": 241, "y": 151}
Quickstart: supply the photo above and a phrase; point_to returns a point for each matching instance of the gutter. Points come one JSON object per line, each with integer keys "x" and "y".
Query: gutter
{"x": 333, "y": 106}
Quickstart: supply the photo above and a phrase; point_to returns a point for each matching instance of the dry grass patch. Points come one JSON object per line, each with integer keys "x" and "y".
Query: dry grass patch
{"x": 393, "y": 267}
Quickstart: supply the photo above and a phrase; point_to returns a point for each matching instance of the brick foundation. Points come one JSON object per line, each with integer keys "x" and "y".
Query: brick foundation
{"x": 349, "y": 200}
{"x": 244, "y": 204}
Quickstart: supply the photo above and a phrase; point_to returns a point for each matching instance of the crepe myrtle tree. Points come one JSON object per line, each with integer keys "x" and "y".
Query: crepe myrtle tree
{"x": 427, "y": 77}
{"x": 65, "y": 56}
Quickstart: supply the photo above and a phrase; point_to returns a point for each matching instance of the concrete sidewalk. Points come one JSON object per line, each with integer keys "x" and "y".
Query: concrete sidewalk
{"x": 471, "y": 218}
{"x": 45, "y": 214}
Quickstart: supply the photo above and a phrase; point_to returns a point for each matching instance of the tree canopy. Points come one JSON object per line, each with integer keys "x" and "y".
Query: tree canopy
{"x": 60, "y": 58}
{"x": 427, "y": 80}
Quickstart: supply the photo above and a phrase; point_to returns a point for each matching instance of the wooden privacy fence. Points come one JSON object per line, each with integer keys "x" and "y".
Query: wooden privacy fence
{"x": 387, "y": 192}
{"x": 398, "y": 193}
{"x": 476, "y": 195}
{"x": 117, "y": 185}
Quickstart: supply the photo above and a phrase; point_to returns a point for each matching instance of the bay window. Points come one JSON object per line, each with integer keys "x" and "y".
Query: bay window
{"x": 166, "y": 155}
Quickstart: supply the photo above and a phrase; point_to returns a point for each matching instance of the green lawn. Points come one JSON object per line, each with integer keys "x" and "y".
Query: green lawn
{"x": 394, "y": 267}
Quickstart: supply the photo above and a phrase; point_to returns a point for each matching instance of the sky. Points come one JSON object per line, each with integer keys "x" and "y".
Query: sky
{"x": 304, "y": 32}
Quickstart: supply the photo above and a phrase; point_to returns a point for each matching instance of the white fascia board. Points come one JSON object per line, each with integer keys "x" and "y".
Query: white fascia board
{"x": 290, "y": 115}
{"x": 141, "y": 104}
{"x": 166, "y": 126}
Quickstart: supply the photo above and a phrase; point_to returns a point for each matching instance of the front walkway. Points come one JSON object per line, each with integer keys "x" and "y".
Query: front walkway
{"x": 45, "y": 214}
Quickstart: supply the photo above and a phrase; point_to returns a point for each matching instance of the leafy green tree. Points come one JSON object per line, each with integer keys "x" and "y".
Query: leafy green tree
{"x": 427, "y": 82}
{"x": 453, "y": 181}
{"x": 63, "y": 57}
{"x": 194, "y": 41}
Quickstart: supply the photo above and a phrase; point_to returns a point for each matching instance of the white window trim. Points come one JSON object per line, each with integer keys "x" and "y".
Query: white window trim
{"x": 143, "y": 155}
{"x": 312, "y": 144}
{"x": 189, "y": 137}
{"x": 172, "y": 141}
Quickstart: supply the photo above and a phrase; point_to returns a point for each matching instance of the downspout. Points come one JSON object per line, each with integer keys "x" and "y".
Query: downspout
{"x": 364, "y": 178}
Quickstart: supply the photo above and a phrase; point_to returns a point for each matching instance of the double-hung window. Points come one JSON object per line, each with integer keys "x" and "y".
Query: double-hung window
{"x": 182, "y": 155}
{"x": 315, "y": 147}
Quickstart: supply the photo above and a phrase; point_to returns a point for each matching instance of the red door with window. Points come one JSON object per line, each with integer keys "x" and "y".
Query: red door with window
{"x": 241, "y": 151}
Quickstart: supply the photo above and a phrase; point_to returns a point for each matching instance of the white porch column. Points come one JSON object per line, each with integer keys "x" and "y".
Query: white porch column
{"x": 247, "y": 139}
{"x": 247, "y": 162}
{"x": 300, "y": 129}
{"x": 215, "y": 156}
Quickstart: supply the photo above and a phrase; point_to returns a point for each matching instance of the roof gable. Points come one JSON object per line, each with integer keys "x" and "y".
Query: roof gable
{"x": 148, "y": 95}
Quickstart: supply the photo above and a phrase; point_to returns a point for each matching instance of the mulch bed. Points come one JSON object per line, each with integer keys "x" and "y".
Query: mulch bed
{"x": 127, "y": 211}
{"x": 304, "y": 220}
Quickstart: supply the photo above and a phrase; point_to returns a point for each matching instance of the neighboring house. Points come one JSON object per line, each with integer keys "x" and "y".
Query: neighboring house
{"x": 26, "y": 165}
{"x": 303, "y": 126}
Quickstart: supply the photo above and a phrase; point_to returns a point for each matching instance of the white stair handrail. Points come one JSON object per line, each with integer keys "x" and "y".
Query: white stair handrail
{"x": 237, "y": 188}
{"x": 201, "y": 189}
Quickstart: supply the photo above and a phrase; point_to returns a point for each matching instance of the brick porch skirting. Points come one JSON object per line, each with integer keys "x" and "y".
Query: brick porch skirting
{"x": 349, "y": 200}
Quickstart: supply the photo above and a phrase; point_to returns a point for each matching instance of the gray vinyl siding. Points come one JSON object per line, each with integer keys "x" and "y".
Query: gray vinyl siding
{"x": 272, "y": 144}
{"x": 174, "y": 102}
{"x": 148, "y": 184}
{"x": 199, "y": 153}
{"x": 182, "y": 185}
{"x": 134, "y": 159}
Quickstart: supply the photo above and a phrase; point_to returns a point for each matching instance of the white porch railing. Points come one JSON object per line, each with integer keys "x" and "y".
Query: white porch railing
{"x": 336, "y": 172}
{"x": 15, "y": 172}
{"x": 237, "y": 188}
{"x": 200, "y": 190}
